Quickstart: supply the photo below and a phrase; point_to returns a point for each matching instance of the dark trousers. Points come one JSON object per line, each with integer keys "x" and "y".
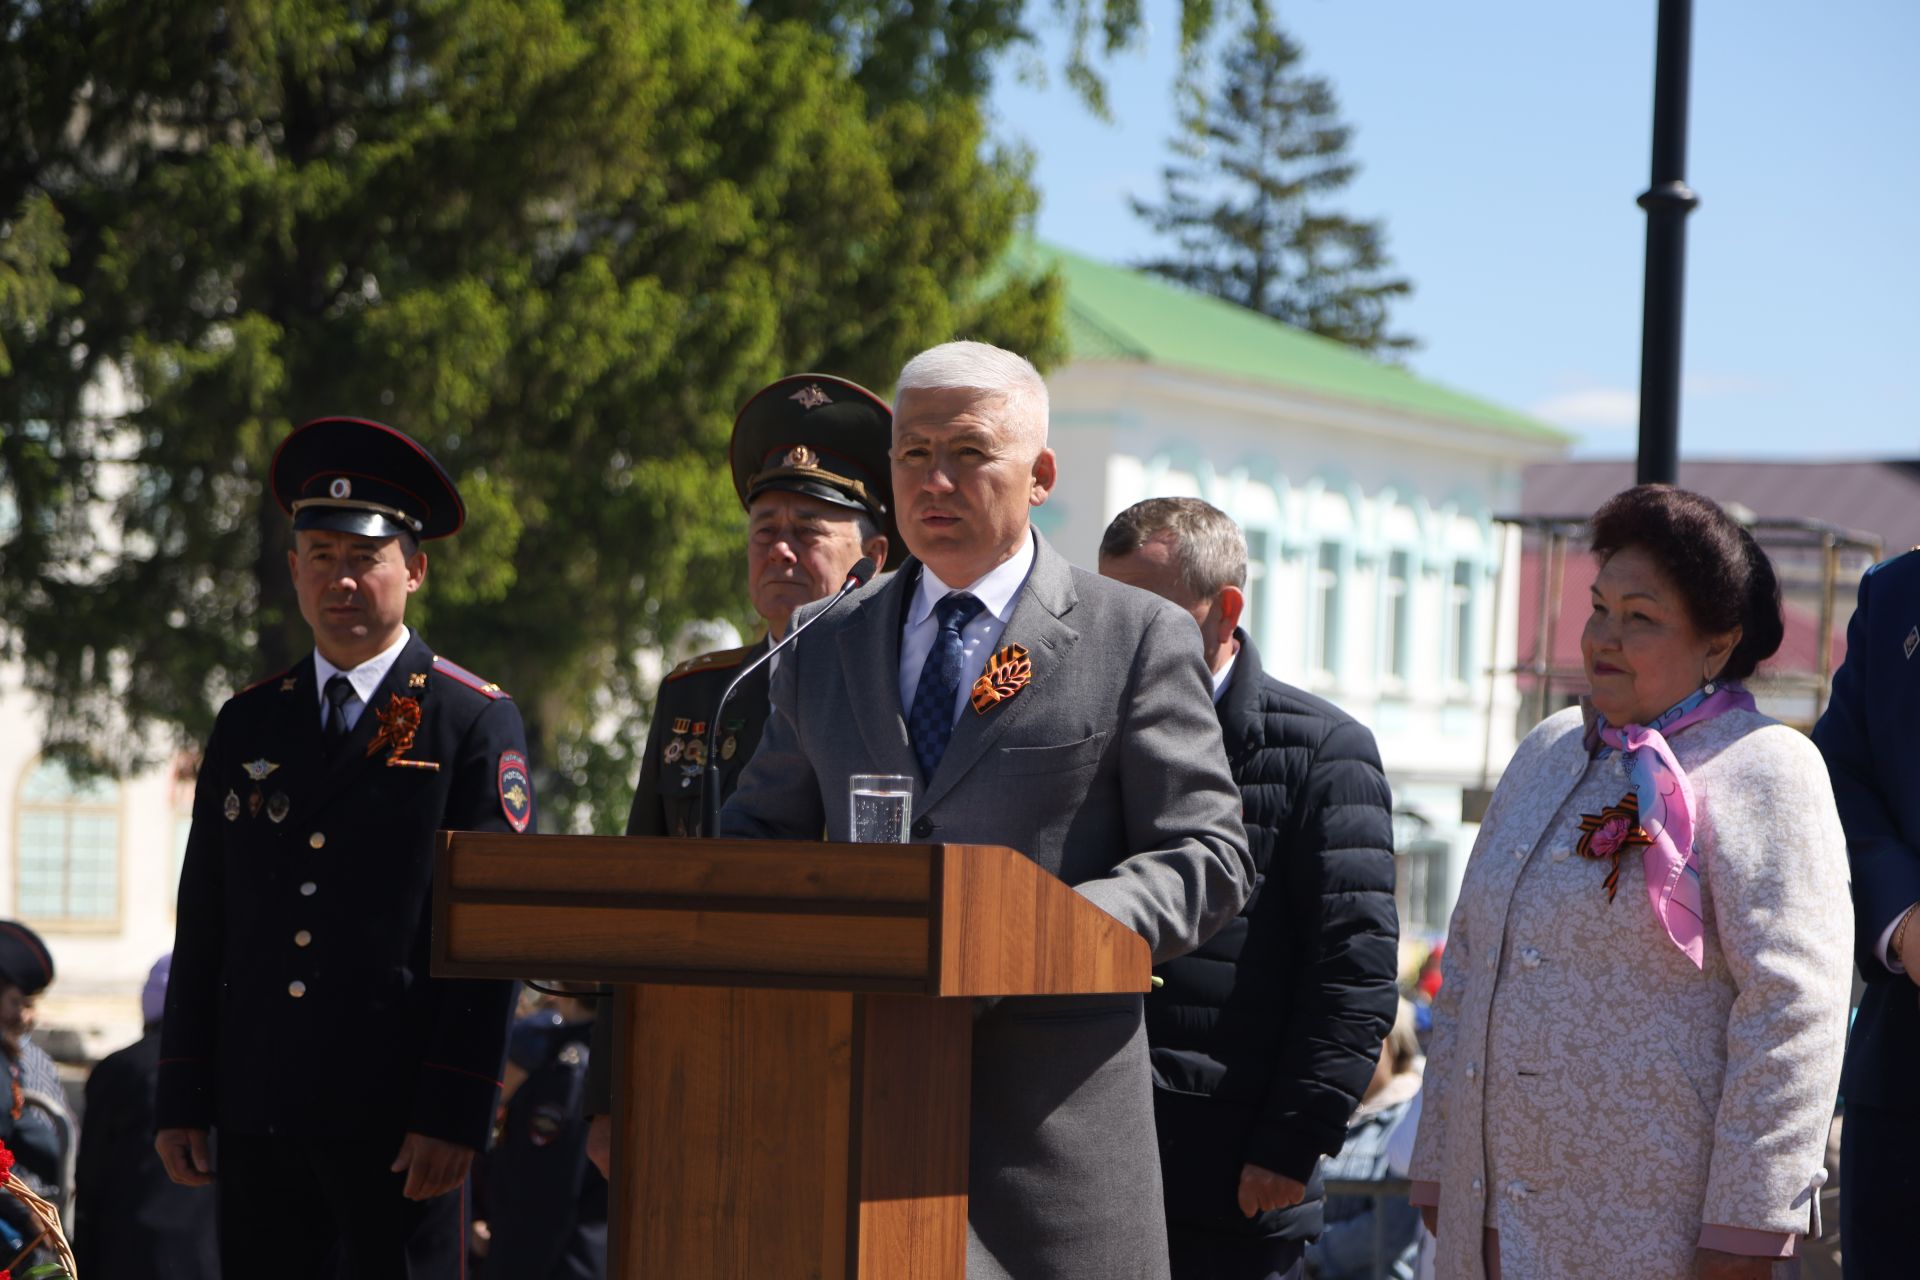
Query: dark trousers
{"x": 1879, "y": 1193}
{"x": 1206, "y": 1255}
{"x": 327, "y": 1209}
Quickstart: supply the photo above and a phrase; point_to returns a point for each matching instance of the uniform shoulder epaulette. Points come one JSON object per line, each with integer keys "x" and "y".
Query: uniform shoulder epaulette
{"x": 467, "y": 678}
{"x": 284, "y": 678}
{"x": 718, "y": 660}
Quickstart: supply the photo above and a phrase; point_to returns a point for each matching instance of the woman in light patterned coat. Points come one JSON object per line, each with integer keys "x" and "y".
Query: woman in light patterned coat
{"x": 1638, "y": 1036}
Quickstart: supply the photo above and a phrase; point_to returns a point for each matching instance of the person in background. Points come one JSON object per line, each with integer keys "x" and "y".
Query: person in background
{"x": 131, "y": 1221}
{"x": 37, "y": 1126}
{"x": 1638, "y": 1040}
{"x": 544, "y": 1205}
{"x": 1365, "y": 1236}
{"x": 1866, "y": 736}
{"x": 1264, "y": 1038}
{"x": 809, "y": 463}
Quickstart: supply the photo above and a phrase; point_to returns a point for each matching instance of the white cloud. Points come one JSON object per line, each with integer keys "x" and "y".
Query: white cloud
{"x": 1612, "y": 408}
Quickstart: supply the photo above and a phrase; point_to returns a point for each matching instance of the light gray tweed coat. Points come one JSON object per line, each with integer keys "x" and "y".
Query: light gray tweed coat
{"x": 1591, "y": 1095}
{"x": 1108, "y": 771}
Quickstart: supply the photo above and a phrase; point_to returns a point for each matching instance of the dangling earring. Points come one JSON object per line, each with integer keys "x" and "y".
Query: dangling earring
{"x": 1707, "y": 685}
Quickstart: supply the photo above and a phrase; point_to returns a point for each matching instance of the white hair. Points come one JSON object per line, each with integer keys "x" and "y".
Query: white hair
{"x": 982, "y": 367}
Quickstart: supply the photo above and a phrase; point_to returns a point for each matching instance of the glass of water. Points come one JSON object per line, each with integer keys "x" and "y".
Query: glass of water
{"x": 882, "y": 807}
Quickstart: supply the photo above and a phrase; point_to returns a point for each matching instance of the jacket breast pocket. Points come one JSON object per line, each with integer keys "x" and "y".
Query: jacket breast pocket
{"x": 1025, "y": 761}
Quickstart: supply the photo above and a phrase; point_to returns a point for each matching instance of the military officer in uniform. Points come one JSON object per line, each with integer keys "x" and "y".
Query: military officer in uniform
{"x": 348, "y": 1089}
{"x": 809, "y": 460}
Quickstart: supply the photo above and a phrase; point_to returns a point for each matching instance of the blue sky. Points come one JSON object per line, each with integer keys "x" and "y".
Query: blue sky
{"x": 1504, "y": 141}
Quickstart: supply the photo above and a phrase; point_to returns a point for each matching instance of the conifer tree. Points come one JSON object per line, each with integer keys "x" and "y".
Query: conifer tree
{"x": 1247, "y": 202}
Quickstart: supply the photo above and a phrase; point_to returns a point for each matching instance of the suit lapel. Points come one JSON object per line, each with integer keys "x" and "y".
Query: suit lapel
{"x": 1038, "y": 625}
{"x": 870, "y": 661}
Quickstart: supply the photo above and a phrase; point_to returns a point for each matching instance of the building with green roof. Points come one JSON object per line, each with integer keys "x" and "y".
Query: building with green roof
{"x": 1367, "y": 495}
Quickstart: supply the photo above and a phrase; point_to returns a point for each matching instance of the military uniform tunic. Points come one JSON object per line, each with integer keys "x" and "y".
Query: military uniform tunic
{"x": 300, "y": 1003}
{"x": 668, "y": 800}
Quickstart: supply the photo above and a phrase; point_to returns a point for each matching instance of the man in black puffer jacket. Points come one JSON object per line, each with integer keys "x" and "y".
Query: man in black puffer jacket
{"x": 1264, "y": 1039}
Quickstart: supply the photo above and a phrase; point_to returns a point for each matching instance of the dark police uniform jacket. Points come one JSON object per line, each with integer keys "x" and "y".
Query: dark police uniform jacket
{"x": 672, "y": 774}
{"x": 300, "y": 1002}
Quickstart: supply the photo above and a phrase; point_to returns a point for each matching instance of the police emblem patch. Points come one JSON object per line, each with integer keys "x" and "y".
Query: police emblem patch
{"x": 516, "y": 790}
{"x": 341, "y": 487}
{"x": 811, "y": 396}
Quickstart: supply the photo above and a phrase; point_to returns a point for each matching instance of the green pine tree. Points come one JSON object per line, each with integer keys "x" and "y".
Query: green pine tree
{"x": 1246, "y": 205}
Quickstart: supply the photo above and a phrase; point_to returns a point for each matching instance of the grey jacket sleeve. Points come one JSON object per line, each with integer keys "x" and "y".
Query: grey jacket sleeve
{"x": 778, "y": 796}
{"x": 1186, "y": 870}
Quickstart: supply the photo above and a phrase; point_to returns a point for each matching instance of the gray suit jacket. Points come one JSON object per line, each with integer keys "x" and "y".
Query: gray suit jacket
{"x": 1108, "y": 771}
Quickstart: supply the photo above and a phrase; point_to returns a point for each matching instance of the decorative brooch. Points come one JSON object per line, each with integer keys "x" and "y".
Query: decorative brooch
{"x": 399, "y": 721}
{"x": 1611, "y": 833}
{"x": 1007, "y": 673}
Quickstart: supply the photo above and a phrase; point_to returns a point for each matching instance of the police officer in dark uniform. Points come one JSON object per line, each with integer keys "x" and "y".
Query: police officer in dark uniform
{"x": 349, "y": 1090}
{"x": 546, "y": 1207}
{"x": 809, "y": 459}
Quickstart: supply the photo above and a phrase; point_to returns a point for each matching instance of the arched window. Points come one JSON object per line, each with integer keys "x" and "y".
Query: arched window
{"x": 68, "y": 871}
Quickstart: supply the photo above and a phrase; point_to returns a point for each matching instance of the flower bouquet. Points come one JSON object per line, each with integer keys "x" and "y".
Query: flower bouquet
{"x": 48, "y": 1220}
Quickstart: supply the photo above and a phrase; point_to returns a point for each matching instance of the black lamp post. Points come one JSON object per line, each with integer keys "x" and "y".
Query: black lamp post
{"x": 1667, "y": 201}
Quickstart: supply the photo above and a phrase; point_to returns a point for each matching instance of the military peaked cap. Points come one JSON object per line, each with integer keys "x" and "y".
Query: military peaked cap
{"x": 357, "y": 476}
{"x": 24, "y": 958}
{"x": 823, "y": 436}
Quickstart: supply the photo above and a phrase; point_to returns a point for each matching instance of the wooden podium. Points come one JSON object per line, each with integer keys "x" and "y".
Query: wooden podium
{"x": 794, "y": 1028}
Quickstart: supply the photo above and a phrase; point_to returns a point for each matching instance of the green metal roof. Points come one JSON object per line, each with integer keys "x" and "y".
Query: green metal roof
{"x": 1115, "y": 313}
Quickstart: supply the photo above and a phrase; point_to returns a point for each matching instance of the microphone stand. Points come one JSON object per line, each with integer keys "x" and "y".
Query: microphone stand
{"x": 857, "y": 577}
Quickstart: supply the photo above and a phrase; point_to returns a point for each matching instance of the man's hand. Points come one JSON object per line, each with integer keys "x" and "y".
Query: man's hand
{"x": 184, "y": 1153}
{"x": 1711, "y": 1264}
{"x": 1263, "y": 1189}
{"x": 600, "y": 1144}
{"x": 433, "y": 1167}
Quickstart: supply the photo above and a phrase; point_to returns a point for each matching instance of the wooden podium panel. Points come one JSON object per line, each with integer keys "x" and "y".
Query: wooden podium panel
{"x": 794, "y": 1031}
{"x": 765, "y": 1108}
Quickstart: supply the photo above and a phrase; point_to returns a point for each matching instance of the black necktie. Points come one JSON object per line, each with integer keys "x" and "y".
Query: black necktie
{"x": 334, "y": 733}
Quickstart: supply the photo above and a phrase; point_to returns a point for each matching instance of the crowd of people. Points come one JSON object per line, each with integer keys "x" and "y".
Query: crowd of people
{"x": 1637, "y": 1023}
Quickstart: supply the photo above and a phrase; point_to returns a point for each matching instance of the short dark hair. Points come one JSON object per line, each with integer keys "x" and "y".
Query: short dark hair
{"x": 1725, "y": 580}
{"x": 1209, "y": 549}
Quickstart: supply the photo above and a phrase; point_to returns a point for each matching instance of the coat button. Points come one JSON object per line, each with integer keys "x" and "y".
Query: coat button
{"x": 1473, "y": 1070}
{"x": 296, "y": 988}
{"x": 308, "y": 889}
{"x": 302, "y": 938}
{"x": 1530, "y": 957}
{"x": 1517, "y": 1189}
{"x": 318, "y": 840}
{"x": 1519, "y": 853}
{"x": 1477, "y": 1184}
{"x": 1561, "y": 855}
{"x": 922, "y": 828}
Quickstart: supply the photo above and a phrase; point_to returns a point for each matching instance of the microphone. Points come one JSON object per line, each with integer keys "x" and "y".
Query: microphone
{"x": 857, "y": 577}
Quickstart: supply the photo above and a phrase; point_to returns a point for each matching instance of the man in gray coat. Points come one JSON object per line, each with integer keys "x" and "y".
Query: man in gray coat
{"x": 1042, "y": 707}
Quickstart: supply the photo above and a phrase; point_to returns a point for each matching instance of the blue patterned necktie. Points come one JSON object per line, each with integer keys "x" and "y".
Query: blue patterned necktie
{"x": 930, "y": 719}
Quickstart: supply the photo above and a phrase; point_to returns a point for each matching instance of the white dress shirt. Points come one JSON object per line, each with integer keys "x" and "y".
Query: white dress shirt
{"x": 1223, "y": 675}
{"x": 997, "y": 591}
{"x": 364, "y": 678}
